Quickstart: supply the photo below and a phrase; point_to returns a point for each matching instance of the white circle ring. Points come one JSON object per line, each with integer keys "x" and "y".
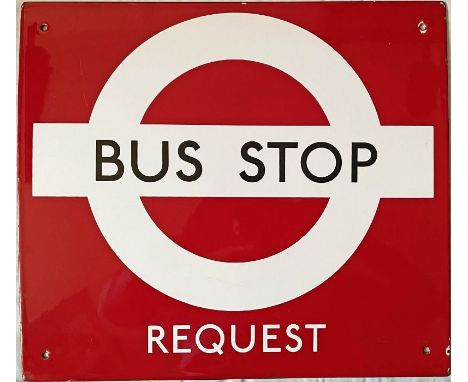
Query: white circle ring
{"x": 202, "y": 282}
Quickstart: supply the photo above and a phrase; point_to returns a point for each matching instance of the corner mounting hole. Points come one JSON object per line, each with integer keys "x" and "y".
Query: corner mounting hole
{"x": 45, "y": 355}
{"x": 422, "y": 27}
{"x": 44, "y": 27}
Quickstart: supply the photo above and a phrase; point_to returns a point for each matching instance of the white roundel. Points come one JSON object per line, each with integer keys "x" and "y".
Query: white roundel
{"x": 155, "y": 258}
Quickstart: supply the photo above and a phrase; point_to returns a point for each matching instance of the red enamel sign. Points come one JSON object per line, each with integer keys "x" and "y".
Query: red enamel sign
{"x": 233, "y": 190}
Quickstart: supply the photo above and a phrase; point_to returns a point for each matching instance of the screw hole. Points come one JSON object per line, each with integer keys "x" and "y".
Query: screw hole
{"x": 426, "y": 350}
{"x": 45, "y": 355}
{"x": 44, "y": 27}
{"x": 448, "y": 351}
{"x": 422, "y": 27}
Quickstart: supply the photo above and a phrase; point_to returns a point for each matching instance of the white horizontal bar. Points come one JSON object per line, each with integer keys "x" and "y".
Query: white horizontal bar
{"x": 64, "y": 161}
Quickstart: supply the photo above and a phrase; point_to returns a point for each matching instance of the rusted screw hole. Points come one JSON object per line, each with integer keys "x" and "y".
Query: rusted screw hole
{"x": 45, "y": 355}
{"x": 44, "y": 27}
{"x": 447, "y": 351}
{"x": 422, "y": 27}
{"x": 426, "y": 350}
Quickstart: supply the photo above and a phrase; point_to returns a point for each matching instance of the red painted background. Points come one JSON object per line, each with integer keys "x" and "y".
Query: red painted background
{"x": 381, "y": 308}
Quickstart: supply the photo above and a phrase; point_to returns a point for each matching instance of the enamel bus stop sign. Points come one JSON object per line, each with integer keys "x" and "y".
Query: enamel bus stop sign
{"x": 233, "y": 190}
